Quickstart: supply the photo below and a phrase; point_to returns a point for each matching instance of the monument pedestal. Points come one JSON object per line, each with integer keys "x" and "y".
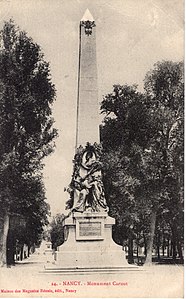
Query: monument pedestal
{"x": 89, "y": 245}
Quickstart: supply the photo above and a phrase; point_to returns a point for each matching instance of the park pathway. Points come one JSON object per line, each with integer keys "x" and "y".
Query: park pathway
{"x": 27, "y": 279}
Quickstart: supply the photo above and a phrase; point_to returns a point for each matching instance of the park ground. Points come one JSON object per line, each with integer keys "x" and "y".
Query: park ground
{"x": 27, "y": 279}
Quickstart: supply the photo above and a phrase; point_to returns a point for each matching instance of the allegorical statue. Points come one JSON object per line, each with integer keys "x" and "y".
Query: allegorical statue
{"x": 86, "y": 188}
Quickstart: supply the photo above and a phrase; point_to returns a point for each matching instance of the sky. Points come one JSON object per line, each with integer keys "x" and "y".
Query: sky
{"x": 132, "y": 35}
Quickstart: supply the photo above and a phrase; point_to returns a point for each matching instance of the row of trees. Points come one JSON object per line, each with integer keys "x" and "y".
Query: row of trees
{"x": 142, "y": 137}
{"x": 26, "y": 137}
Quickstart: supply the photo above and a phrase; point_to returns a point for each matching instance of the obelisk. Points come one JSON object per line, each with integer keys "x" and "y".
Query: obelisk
{"x": 88, "y": 245}
{"x": 87, "y": 126}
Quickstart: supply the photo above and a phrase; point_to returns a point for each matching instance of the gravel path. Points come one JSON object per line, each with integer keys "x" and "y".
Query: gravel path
{"x": 26, "y": 279}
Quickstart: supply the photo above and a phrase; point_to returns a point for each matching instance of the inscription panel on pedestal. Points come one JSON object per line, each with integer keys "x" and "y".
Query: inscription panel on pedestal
{"x": 90, "y": 229}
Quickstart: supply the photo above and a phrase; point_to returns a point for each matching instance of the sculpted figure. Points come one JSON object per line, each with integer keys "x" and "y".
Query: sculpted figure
{"x": 86, "y": 188}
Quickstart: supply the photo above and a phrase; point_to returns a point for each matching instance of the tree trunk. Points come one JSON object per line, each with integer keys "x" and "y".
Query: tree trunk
{"x": 163, "y": 245}
{"x": 28, "y": 254}
{"x": 158, "y": 252}
{"x": 11, "y": 248}
{"x": 158, "y": 246}
{"x": 130, "y": 250}
{"x": 168, "y": 248}
{"x": 179, "y": 247}
{"x": 150, "y": 239}
{"x": 171, "y": 250}
{"x": 145, "y": 245}
{"x": 21, "y": 255}
{"x": 3, "y": 241}
{"x": 176, "y": 240}
{"x": 174, "y": 251}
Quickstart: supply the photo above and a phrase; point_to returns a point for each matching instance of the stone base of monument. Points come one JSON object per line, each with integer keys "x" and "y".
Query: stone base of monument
{"x": 89, "y": 246}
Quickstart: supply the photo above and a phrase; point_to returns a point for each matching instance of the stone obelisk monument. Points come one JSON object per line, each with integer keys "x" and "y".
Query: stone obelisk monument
{"x": 88, "y": 245}
{"x": 87, "y": 127}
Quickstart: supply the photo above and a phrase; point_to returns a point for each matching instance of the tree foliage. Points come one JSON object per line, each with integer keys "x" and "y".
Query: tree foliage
{"x": 26, "y": 125}
{"x": 142, "y": 137}
{"x": 57, "y": 230}
{"x": 165, "y": 87}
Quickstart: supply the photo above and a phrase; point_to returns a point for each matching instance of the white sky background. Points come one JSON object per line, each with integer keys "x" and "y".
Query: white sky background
{"x": 131, "y": 36}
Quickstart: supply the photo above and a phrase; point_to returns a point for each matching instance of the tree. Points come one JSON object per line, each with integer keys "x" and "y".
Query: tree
{"x": 164, "y": 86}
{"x": 57, "y": 230}
{"x": 27, "y": 221}
{"x": 124, "y": 135}
{"x": 26, "y": 124}
{"x": 142, "y": 137}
